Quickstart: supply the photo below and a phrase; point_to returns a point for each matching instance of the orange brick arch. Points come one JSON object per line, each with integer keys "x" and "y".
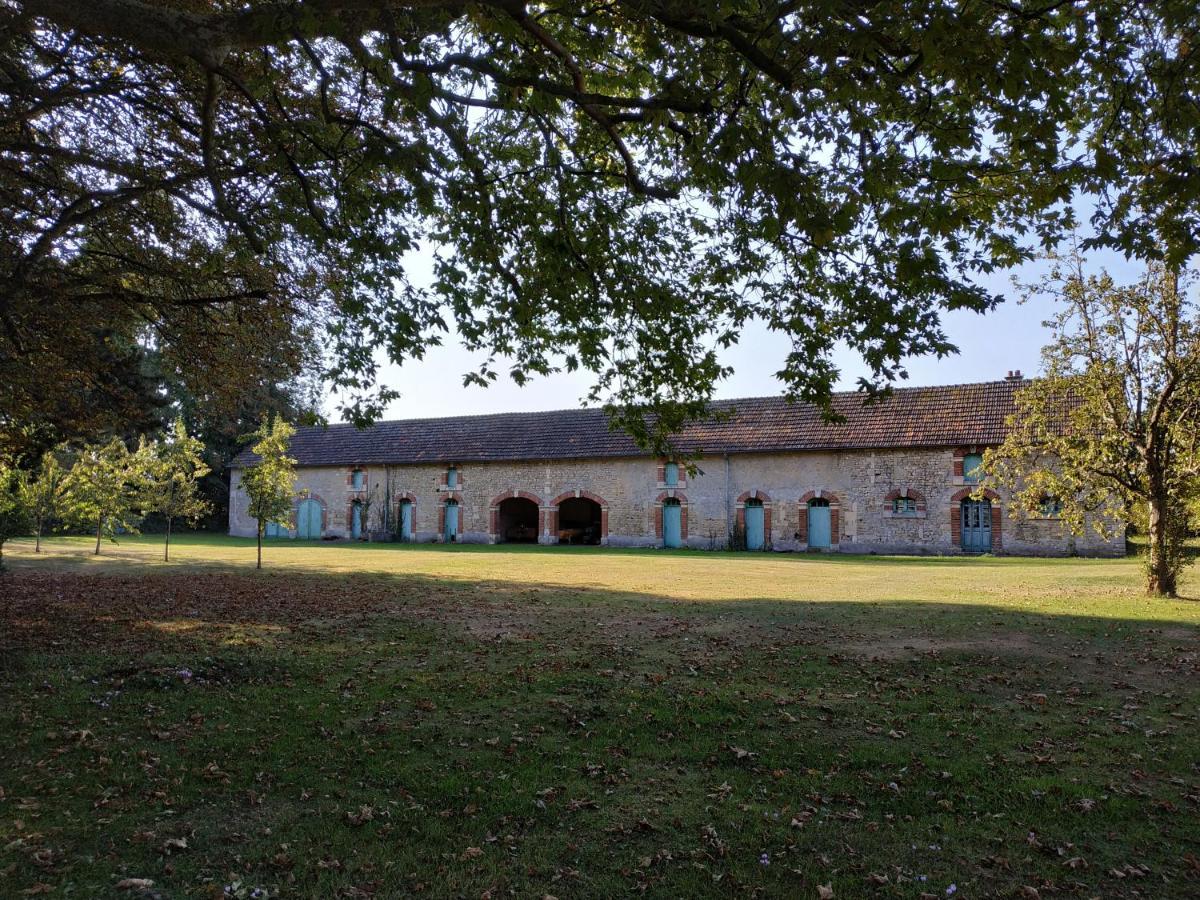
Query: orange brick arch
{"x": 835, "y": 516}
{"x": 905, "y": 493}
{"x": 956, "y": 516}
{"x": 740, "y": 511}
{"x": 514, "y": 494}
{"x": 550, "y": 513}
{"x": 295, "y": 514}
{"x": 671, "y": 494}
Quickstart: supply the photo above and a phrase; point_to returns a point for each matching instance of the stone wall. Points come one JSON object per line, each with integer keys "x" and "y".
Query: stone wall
{"x": 859, "y": 487}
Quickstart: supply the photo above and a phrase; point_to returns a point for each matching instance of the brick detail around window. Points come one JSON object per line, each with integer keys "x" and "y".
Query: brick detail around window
{"x": 740, "y": 511}
{"x": 683, "y": 512}
{"x": 835, "y": 516}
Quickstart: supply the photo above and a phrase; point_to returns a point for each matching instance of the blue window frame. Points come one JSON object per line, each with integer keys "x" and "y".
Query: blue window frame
{"x": 452, "y": 478}
{"x": 671, "y": 474}
{"x": 904, "y": 506}
{"x": 972, "y": 474}
{"x": 356, "y": 479}
{"x": 1051, "y": 507}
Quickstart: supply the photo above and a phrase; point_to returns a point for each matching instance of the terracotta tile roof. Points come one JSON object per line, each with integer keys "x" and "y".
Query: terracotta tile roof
{"x": 945, "y": 416}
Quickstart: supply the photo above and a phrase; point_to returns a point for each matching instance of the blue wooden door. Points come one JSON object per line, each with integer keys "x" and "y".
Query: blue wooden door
{"x": 756, "y": 537}
{"x": 672, "y": 514}
{"x": 451, "y": 532}
{"x": 356, "y": 521}
{"x": 820, "y": 531}
{"x": 406, "y": 520}
{"x": 308, "y": 520}
{"x": 977, "y": 526}
{"x": 274, "y": 530}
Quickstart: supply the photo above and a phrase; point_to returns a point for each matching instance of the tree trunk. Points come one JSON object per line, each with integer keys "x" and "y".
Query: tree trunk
{"x": 99, "y": 530}
{"x": 167, "y": 544}
{"x": 37, "y": 536}
{"x": 1160, "y": 579}
{"x": 260, "y": 534}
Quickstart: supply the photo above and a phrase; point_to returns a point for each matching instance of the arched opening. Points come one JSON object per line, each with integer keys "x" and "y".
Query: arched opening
{"x": 820, "y": 524}
{"x": 976, "y": 530}
{"x": 579, "y": 521}
{"x": 517, "y": 521}
{"x": 672, "y": 522}
{"x": 756, "y": 521}
{"x": 406, "y": 520}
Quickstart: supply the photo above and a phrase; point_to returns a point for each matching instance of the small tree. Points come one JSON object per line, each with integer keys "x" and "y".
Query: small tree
{"x": 14, "y": 515}
{"x": 175, "y": 466}
{"x": 269, "y": 483}
{"x": 106, "y": 486}
{"x": 45, "y": 494}
{"x": 1109, "y": 433}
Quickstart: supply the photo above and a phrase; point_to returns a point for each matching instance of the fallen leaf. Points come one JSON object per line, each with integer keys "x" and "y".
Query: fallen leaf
{"x": 135, "y": 884}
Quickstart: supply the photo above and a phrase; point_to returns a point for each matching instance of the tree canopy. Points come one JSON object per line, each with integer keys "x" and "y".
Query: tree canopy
{"x": 1108, "y": 433}
{"x": 616, "y": 186}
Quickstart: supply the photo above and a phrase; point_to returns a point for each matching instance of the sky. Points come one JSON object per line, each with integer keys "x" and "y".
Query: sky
{"x": 990, "y": 345}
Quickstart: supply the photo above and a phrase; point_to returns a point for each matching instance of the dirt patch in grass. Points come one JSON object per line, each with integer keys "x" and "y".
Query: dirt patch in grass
{"x": 1009, "y": 643}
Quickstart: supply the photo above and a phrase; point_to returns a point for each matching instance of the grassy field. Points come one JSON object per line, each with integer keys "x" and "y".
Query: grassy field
{"x": 385, "y": 721}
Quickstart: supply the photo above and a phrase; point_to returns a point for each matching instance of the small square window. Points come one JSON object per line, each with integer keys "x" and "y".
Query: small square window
{"x": 1051, "y": 507}
{"x": 671, "y": 474}
{"x": 904, "y": 506}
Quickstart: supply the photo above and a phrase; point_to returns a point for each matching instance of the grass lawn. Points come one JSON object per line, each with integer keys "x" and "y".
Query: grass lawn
{"x": 388, "y": 721}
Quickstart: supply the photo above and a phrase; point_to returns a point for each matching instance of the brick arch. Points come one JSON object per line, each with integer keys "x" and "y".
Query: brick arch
{"x": 494, "y": 509}
{"x": 956, "y": 516}
{"x": 407, "y": 495}
{"x": 550, "y": 512}
{"x": 740, "y": 511}
{"x": 835, "y": 516}
{"x": 968, "y": 491}
{"x": 456, "y": 496}
{"x": 906, "y": 493}
{"x": 671, "y": 494}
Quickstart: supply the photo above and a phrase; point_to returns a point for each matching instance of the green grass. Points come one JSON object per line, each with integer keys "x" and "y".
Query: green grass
{"x": 384, "y": 720}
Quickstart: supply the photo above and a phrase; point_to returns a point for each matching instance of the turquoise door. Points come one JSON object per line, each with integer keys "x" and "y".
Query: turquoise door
{"x": 308, "y": 520}
{"x": 672, "y": 523}
{"x": 977, "y": 526}
{"x": 451, "y": 532}
{"x": 274, "y": 530}
{"x": 819, "y": 530}
{"x": 356, "y": 521}
{"x": 406, "y": 520}
{"x": 756, "y": 537}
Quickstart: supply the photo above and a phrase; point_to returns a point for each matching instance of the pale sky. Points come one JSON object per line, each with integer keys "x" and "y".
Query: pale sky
{"x": 990, "y": 345}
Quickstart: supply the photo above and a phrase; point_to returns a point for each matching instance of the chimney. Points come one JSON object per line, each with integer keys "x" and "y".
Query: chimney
{"x": 1014, "y": 375}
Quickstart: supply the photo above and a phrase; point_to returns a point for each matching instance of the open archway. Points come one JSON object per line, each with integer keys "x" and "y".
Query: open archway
{"x": 580, "y": 520}
{"x": 517, "y": 521}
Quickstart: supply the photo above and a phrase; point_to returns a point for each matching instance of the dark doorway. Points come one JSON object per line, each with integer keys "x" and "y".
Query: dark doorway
{"x": 579, "y": 521}
{"x": 518, "y": 521}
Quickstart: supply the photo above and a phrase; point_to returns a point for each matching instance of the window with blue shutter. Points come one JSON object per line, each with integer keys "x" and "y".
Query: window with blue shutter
{"x": 671, "y": 474}
{"x": 972, "y": 473}
{"x": 452, "y": 478}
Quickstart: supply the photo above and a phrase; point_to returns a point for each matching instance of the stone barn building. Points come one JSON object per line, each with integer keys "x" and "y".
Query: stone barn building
{"x": 895, "y": 476}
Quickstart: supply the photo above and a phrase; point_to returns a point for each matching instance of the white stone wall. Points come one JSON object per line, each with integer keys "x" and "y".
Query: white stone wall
{"x": 859, "y": 482}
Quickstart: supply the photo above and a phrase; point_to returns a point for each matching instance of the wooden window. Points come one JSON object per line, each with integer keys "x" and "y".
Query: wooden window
{"x": 904, "y": 506}
{"x": 972, "y": 474}
{"x": 671, "y": 474}
{"x": 356, "y": 479}
{"x": 452, "y": 478}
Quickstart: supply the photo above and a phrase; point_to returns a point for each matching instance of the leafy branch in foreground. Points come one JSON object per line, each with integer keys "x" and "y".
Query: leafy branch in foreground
{"x": 1109, "y": 431}
{"x": 612, "y": 187}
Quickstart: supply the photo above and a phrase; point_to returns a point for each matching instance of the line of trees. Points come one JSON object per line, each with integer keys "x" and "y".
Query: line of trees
{"x": 105, "y": 489}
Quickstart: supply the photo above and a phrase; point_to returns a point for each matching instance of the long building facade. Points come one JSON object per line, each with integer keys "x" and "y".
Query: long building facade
{"x": 896, "y": 476}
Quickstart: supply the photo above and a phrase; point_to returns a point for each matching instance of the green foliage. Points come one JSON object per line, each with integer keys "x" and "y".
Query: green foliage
{"x": 174, "y": 469}
{"x": 14, "y": 514}
{"x": 617, "y": 188}
{"x": 269, "y": 482}
{"x": 1109, "y": 430}
{"x": 106, "y": 488}
{"x": 45, "y": 492}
